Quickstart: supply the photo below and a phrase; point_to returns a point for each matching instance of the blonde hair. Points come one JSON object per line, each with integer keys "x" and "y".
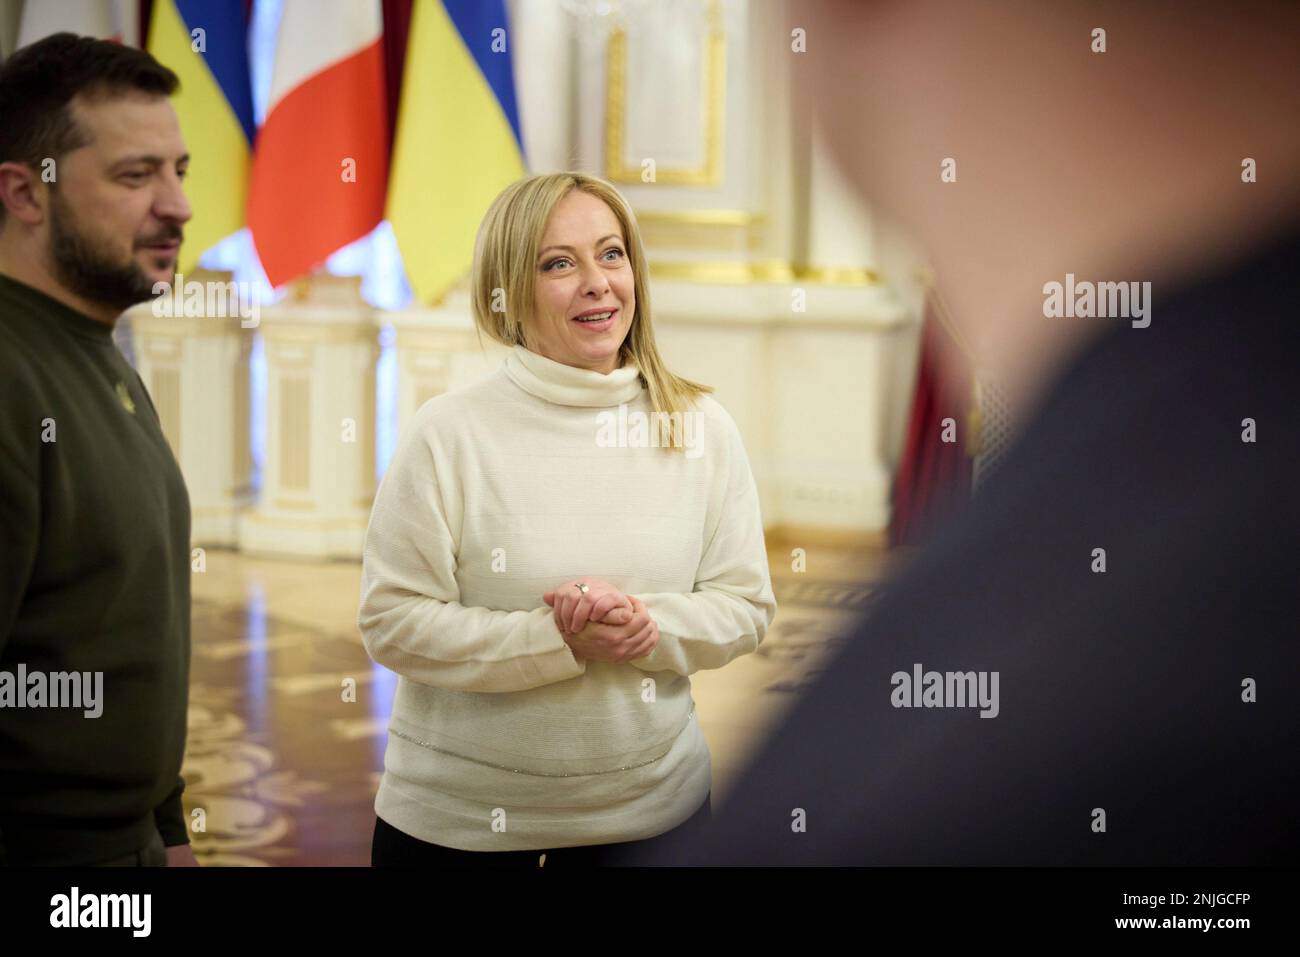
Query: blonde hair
{"x": 505, "y": 256}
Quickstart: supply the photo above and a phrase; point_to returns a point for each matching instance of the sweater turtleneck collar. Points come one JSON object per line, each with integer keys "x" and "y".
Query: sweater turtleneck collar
{"x": 567, "y": 385}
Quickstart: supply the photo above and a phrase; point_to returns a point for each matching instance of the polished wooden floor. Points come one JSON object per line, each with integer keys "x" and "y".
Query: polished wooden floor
{"x": 283, "y": 760}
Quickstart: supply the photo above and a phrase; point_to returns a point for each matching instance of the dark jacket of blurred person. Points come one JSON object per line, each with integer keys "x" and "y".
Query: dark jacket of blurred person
{"x": 1127, "y": 573}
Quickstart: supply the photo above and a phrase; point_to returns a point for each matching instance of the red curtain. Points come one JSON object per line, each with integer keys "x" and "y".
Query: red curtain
{"x": 934, "y": 477}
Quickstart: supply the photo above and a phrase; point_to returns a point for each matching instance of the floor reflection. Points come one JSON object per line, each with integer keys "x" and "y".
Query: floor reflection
{"x": 288, "y": 716}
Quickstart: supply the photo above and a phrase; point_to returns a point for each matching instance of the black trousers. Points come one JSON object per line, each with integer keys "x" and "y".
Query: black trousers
{"x": 394, "y": 848}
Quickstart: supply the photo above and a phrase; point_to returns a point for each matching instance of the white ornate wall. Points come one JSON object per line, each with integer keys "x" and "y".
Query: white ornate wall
{"x": 196, "y": 370}
{"x": 319, "y": 480}
{"x": 770, "y": 280}
{"x": 687, "y": 106}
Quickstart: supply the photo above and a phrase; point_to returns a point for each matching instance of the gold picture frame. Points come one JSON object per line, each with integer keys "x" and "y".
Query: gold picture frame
{"x": 715, "y": 92}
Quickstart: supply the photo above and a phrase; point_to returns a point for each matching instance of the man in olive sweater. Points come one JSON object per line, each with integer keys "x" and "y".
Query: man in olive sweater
{"x": 94, "y": 516}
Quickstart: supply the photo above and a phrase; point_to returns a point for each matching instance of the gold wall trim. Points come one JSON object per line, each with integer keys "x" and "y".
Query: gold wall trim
{"x": 723, "y": 272}
{"x": 713, "y": 230}
{"x": 700, "y": 217}
{"x": 769, "y": 271}
{"x": 714, "y": 82}
{"x": 805, "y": 535}
{"x": 838, "y": 276}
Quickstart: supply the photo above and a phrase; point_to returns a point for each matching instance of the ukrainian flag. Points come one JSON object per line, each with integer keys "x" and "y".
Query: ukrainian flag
{"x": 458, "y": 142}
{"x": 205, "y": 42}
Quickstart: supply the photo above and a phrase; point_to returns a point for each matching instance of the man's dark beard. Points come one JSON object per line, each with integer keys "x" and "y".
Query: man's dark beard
{"x": 82, "y": 266}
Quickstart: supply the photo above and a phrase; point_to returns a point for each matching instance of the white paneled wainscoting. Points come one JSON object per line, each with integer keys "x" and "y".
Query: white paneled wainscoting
{"x": 817, "y": 375}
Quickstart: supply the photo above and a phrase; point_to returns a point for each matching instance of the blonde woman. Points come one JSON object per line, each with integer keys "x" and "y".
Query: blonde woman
{"x": 552, "y": 553}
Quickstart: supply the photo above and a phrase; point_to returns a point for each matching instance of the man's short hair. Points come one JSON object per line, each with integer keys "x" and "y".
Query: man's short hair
{"x": 39, "y": 82}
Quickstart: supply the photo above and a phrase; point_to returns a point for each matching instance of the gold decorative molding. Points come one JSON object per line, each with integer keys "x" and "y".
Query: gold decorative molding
{"x": 813, "y": 535}
{"x": 700, "y": 217}
{"x": 838, "y": 276}
{"x": 716, "y": 230}
{"x": 738, "y": 273}
{"x": 714, "y": 83}
{"x": 762, "y": 271}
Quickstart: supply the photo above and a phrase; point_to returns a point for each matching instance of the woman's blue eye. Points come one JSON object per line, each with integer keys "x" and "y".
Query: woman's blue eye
{"x": 564, "y": 259}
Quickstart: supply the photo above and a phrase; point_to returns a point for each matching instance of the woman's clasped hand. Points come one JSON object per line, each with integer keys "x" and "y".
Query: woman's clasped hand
{"x": 601, "y": 623}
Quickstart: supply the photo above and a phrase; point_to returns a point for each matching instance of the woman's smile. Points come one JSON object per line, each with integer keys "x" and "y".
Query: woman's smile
{"x": 597, "y": 320}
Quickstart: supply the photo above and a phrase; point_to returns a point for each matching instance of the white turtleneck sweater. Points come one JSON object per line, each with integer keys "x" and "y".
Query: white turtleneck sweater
{"x": 501, "y": 739}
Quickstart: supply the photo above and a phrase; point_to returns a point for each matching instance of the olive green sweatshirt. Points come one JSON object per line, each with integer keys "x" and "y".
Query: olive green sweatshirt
{"x": 94, "y": 591}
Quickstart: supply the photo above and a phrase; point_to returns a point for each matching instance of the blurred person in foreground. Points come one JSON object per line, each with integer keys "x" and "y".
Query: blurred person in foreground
{"x": 1144, "y": 714}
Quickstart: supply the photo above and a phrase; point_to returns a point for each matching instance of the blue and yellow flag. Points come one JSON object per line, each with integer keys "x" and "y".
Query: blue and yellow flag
{"x": 205, "y": 42}
{"x": 458, "y": 140}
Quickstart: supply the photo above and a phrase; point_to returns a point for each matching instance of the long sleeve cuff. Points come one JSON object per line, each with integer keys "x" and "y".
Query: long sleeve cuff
{"x": 169, "y": 817}
{"x": 705, "y": 629}
{"x": 449, "y": 645}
